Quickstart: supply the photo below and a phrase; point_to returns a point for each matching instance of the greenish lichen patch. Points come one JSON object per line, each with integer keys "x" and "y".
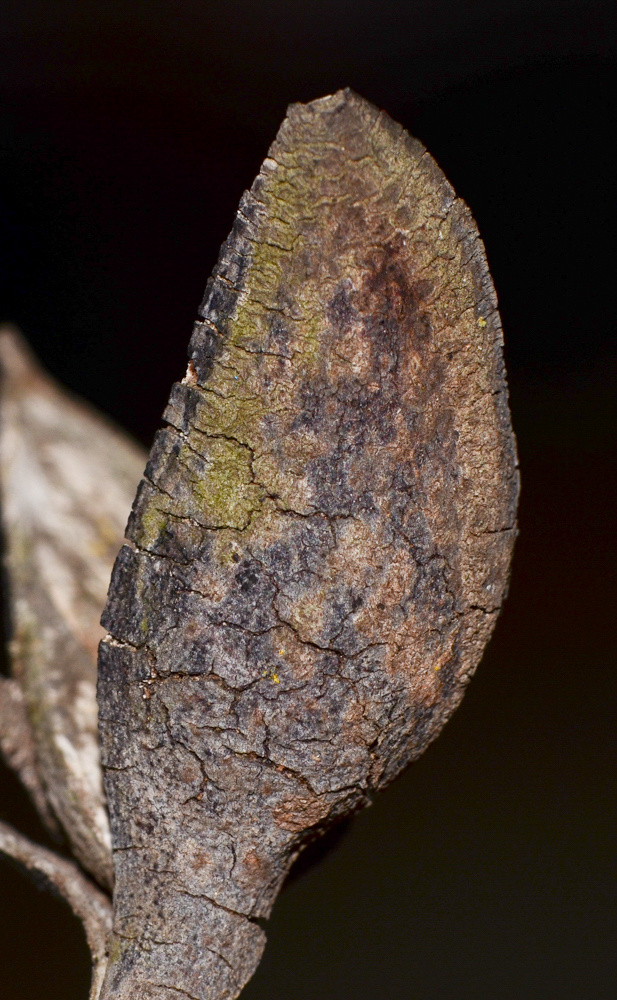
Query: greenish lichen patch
{"x": 224, "y": 488}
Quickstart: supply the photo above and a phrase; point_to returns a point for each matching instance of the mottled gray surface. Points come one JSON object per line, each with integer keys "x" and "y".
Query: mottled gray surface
{"x": 67, "y": 478}
{"x": 319, "y": 548}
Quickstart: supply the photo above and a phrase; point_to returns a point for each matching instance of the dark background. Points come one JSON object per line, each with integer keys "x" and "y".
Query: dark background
{"x": 127, "y": 133}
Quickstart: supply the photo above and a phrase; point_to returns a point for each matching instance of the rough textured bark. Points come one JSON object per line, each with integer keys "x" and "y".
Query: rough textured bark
{"x": 319, "y": 548}
{"x": 67, "y": 481}
{"x": 88, "y": 903}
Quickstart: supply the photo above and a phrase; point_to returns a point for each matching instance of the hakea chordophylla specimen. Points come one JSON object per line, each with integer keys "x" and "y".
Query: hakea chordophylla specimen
{"x": 317, "y": 552}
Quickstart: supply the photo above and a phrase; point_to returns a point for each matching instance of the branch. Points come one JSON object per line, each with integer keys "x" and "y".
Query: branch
{"x": 87, "y": 902}
{"x": 67, "y": 480}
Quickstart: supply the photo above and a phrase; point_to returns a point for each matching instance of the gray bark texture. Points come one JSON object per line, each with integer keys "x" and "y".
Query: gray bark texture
{"x": 318, "y": 551}
{"x": 67, "y": 479}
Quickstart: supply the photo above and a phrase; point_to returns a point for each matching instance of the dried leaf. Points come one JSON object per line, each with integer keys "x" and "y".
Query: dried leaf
{"x": 319, "y": 548}
{"x": 67, "y": 478}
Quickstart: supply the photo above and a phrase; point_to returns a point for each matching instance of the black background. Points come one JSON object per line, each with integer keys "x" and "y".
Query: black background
{"x": 127, "y": 133}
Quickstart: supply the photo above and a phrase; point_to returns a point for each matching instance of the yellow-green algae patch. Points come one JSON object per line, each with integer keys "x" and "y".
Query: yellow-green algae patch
{"x": 153, "y": 521}
{"x": 218, "y": 492}
{"x": 225, "y": 492}
{"x": 253, "y": 377}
